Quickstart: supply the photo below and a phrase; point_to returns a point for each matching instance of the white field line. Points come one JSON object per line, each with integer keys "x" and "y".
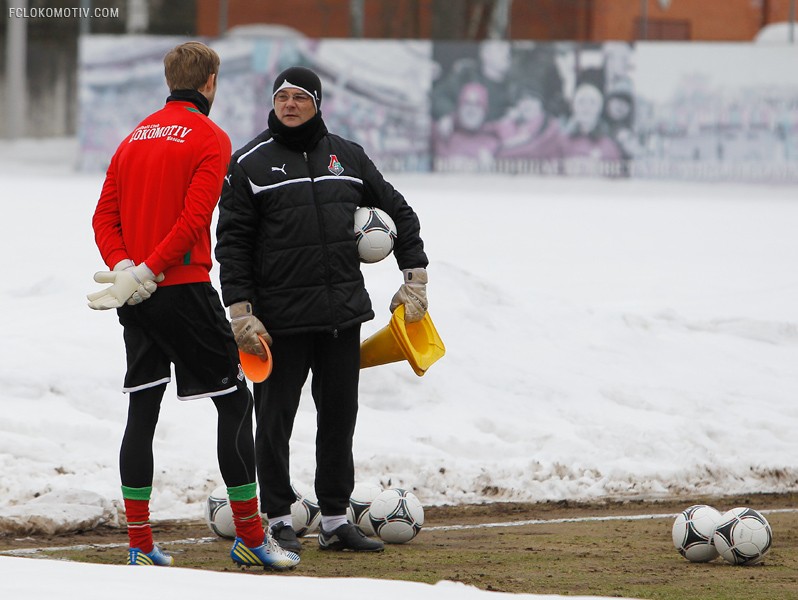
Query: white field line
{"x": 208, "y": 540}
{"x": 32, "y": 551}
{"x": 579, "y": 520}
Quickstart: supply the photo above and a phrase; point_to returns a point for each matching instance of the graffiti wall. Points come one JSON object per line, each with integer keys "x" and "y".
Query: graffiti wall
{"x": 666, "y": 110}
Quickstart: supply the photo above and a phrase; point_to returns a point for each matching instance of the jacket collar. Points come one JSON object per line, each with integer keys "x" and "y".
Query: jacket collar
{"x": 302, "y": 138}
{"x": 193, "y": 96}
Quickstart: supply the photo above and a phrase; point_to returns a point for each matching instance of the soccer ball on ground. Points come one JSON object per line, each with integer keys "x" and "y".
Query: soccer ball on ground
{"x": 743, "y": 536}
{"x": 219, "y": 514}
{"x": 363, "y": 495}
{"x": 396, "y": 515}
{"x": 305, "y": 512}
{"x": 375, "y": 233}
{"x": 693, "y": 530}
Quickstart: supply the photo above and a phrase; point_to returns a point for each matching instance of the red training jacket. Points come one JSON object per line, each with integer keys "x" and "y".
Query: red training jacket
{"x": 160, "y": 192}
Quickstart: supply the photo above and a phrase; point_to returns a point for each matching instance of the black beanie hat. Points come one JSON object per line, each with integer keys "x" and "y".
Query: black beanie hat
{"x": 302, "y": 78}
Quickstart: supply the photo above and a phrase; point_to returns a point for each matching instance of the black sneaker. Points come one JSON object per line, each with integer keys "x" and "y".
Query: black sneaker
{"x": 348, "y": 537}
{"x": 285, "y": 536}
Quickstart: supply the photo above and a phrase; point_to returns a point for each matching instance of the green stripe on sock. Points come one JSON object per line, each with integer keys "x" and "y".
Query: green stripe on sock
{"x": 130, "y": 493}
{"x": 242, "y": 493}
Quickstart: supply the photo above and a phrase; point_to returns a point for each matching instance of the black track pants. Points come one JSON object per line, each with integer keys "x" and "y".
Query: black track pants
{"x": 335, "y": 363}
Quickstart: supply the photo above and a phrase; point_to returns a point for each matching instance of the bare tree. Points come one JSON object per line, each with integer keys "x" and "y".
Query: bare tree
{"x": 357, "y": 18}
{"x": 16, "y": 73}
{"x": 499, "y": 24}
{"x": 471, "y": 19}
{"x": 448, "y": 19}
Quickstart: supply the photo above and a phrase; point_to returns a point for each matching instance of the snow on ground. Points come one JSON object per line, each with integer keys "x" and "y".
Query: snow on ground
{"x": 603, "y": 337}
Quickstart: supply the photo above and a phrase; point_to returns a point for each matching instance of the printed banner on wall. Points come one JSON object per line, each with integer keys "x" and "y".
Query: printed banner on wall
{"x": 717, "y": 112}
{"x": 523, "y": 107}
{"x": 120, "y": 81}
{"x": 375, "y": 93}
{"x": 667, "y": 110}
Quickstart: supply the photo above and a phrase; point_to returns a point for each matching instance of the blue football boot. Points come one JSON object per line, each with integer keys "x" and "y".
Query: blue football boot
{"x": 156, "y": 557}
{"x": 268, "y": 555}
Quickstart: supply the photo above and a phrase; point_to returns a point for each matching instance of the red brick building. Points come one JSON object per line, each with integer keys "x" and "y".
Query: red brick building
{"x": 577, "y": 20}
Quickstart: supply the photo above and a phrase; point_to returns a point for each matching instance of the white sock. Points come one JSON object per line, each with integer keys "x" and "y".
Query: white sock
{"x": 284, "y": 519}
{"x": 332, "y": 522}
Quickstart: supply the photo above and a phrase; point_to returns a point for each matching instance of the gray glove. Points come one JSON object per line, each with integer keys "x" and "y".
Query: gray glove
{"x": 246, "y": 329}
{"x": 413, "y": 294}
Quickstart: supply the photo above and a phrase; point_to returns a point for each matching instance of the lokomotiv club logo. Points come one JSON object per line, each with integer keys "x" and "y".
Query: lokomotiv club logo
{"x": 335, "y": 166}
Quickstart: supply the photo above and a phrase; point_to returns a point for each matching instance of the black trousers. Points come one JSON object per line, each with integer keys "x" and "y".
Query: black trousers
{"x": 185, "y": 326}
{"x": 234, "y": 449}
{"x": 335, "y": 363}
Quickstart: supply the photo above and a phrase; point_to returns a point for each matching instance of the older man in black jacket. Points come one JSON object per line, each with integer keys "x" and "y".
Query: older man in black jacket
{"x": 290, "y": 272}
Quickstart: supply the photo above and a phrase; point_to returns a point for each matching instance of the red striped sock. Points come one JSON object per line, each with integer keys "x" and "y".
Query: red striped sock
{"x": 246, "y": 517}
{"x": 138, "y": 524}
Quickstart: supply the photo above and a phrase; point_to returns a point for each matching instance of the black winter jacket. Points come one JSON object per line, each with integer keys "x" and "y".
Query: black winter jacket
{"x": 285, "y": 236}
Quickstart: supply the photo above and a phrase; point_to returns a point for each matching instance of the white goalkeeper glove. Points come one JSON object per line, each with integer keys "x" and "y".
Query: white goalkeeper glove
{"x": 246, "y": 329}
{"x": 413, "y": 294}
{"x": 126, "y": 281}
{"x": 145, "y": 290}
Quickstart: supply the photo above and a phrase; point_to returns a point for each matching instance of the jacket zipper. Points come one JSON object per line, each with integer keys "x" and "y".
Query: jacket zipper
{"x": 323, "y": 246}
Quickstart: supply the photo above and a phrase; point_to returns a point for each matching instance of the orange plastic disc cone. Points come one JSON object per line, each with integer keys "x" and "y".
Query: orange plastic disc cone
{"x": 256, "y": 368}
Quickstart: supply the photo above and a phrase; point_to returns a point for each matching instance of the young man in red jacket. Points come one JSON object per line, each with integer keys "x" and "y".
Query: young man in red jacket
{"x": 154, "y": 216}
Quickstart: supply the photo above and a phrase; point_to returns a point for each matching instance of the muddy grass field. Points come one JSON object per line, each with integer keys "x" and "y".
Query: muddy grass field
{"x": 610, "y": 548}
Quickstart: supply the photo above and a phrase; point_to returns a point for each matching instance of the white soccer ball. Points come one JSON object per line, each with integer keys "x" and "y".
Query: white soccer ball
{"x": 375, "y": 233}
{"x": 305, "y": 512}
{"x": 360, "y": 501}
{"x": 219, "y": 514}
{"x": 693, "y": 530}
{"x": 743, "y": 536}
{"x": 396, "y": 515}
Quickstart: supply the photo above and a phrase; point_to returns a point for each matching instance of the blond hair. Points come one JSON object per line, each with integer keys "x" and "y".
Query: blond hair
{"x": 188, "y": 66}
